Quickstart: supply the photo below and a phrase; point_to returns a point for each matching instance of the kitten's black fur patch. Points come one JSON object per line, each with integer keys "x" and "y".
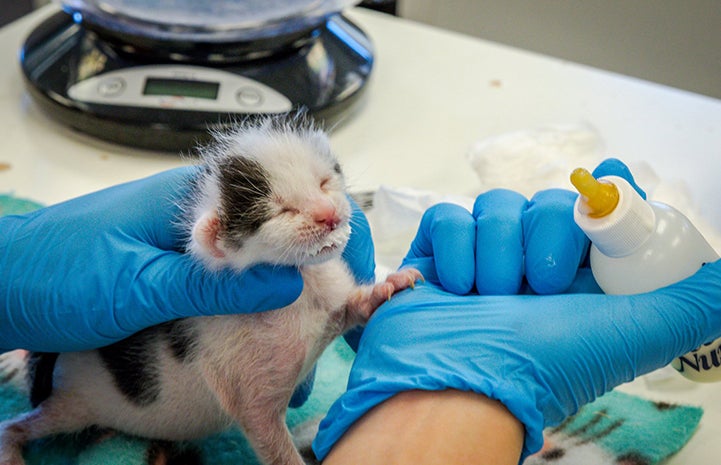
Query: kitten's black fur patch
{"x": 40, "y": 375}
{"x": 181, "y": 338}
{"x": 244, "y": 195}
{"x": 132, "y": 362}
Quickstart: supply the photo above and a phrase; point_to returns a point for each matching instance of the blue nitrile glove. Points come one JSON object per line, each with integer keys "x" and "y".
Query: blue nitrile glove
{"x": 508, "y": 243}
{"x": 542, "y": 356}
{"x": 93, "y": 270}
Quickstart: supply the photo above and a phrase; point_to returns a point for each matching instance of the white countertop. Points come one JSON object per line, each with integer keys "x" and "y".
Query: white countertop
{"x": 432, "y": 95}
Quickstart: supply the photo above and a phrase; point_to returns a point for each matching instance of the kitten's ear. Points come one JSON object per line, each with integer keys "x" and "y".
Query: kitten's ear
{"x": 206, "y": 233}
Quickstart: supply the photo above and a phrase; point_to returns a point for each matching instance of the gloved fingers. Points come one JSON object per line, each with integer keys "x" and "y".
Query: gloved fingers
{"x": 584, "y": 283}
{"x": 444, "y": 247}
{"x": 554, "y": 245}
{"x": 148, "y": 209}
{"x": 173, "y": 285}
{"x": 160, "y": 200}
{"x": 499, "y": 242}
{"x": 359, "y": 253}
{"x": 615, "y": 167}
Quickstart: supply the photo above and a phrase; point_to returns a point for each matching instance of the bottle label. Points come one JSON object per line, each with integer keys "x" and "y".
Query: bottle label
{"x": 701, "y": 363}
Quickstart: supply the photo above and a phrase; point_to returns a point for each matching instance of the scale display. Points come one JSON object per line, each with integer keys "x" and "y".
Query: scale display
{"x": 181, "y": 88}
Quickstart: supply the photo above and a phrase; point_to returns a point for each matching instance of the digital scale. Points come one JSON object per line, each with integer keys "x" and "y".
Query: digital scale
{"x": 102, "y": 69}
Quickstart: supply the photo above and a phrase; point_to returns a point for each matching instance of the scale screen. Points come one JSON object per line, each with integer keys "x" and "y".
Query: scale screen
{"x": 181, "y": 88}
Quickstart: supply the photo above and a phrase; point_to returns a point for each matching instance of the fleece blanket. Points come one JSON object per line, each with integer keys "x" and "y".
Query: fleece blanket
{"x": 617, "y": 429}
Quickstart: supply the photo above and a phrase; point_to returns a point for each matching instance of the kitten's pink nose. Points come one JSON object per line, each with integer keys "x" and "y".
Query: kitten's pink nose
{"x": 324, "y": 213}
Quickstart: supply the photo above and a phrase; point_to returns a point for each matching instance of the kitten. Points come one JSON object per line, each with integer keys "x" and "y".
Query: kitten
{"x": 270, "y": 192}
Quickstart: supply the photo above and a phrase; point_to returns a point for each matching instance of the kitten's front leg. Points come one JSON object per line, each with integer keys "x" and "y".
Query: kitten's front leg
{"x": 257, "y": 400}
{"x": 362, "y": 303}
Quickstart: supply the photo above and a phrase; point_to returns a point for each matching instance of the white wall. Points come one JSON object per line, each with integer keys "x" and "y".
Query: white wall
{"x": 673, "y": 42}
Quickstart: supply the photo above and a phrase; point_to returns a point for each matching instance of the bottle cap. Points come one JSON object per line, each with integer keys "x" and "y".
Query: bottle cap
{"x": 620, "y": 231}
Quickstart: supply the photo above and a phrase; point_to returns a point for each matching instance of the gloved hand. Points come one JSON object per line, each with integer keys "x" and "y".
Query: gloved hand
{"x": 93, "y": 270}
{"x": 541, "y": 355}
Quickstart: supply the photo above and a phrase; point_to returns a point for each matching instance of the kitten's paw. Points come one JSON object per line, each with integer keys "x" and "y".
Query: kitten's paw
{"x": 13, "y": 369}
{"x": 374, "y": 296}
{"x": 10, "y": 450}
{"x": 400, "y": 280}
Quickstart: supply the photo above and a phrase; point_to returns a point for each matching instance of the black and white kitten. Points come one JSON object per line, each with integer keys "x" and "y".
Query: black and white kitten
{"x": 270, "y": 192}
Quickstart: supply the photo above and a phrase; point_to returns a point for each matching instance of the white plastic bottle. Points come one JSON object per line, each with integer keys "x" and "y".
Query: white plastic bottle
{"x": 640, "y": 246}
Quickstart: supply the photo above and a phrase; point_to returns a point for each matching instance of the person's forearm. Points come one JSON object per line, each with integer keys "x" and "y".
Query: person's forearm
{"x": 432, "y": 427}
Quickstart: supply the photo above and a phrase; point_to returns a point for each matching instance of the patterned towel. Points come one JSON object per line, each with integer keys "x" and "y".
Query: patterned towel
{"x": 617, "y": 429}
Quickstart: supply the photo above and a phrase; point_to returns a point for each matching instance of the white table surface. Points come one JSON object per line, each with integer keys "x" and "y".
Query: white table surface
{"x": 432, "y": 95}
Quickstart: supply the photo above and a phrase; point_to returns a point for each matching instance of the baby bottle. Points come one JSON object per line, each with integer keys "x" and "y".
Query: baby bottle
{"x": 638, "y": 246}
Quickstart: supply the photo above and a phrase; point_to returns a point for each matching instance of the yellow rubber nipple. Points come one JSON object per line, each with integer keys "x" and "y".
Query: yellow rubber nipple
{"x": 599, "y": 197}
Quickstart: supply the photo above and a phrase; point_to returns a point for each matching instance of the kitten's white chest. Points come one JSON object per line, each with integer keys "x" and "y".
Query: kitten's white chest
{"x": 297, "y": 333}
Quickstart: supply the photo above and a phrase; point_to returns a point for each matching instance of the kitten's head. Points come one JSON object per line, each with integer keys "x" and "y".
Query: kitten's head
{"x": 273, "y": 192}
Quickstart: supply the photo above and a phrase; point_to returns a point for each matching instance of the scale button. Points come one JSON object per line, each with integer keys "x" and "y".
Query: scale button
{"x": 249, "y": 97}
{"x": 111, "y": 87}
